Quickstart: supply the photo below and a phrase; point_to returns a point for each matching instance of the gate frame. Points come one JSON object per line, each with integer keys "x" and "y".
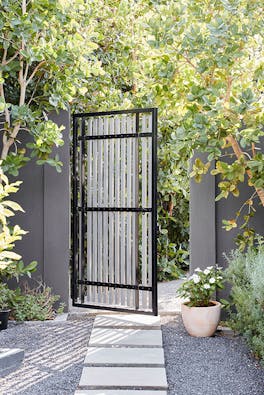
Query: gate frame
{"x": 75, "y": 211}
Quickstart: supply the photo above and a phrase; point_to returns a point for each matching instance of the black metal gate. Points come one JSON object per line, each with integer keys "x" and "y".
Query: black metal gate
{"x": 114, "y": 213}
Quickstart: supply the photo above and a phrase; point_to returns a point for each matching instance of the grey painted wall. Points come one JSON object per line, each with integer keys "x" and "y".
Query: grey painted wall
{"x": 208, "y": 240}
{"x": 45, "y": 197}
{"x": 202, "y": 222}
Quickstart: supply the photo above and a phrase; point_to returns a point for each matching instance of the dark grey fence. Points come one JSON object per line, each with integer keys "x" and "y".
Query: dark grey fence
{"x": 45, "y": 196}
{"x": 209, "y": 241}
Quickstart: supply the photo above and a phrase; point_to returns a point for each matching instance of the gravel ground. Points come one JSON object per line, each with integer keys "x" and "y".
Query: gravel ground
{"x": 218, "y": 365}
{"x": 55, "y": 351}
{"x": 54, "y": 354}
{"x": 168, "y": 300}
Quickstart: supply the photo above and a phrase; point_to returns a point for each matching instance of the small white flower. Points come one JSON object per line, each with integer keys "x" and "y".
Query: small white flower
{"x": 196, "y": 279}
{"x": 210, "y": 267}
{"x": 206, "y": 271}
{"x": 197, "y": 269}
{"x": 206, "y": 286}
{"x": 212, "y": 280}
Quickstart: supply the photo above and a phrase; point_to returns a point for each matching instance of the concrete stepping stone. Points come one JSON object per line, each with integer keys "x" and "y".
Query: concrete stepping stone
{"x": 125, "y": 337}
{"x": 124, "y": 357}
{"x": 123, "y": 378}
{"x": 127, "y": 320}
{"x": 119, "y": 392}
{"x": 10, "y": 359}
{"x": 118, "y": 356}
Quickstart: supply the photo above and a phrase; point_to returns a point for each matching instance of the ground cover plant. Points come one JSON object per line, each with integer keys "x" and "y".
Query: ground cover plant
{"x": 246, "y": 275}
{"x": 34, "y": 303}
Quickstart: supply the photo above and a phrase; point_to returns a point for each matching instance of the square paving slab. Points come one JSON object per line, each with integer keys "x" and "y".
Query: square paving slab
{"x": 123, "y": 378}
{"x": 10, "y": 357}
{"x": 119, "y": 392}
{"x": 125, "y": 337}
{"x": 124, "y": 356}
{"x": 126, "y": 320}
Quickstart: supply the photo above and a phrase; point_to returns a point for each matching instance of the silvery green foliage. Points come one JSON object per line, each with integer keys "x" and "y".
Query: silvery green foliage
{"x": 246, "y": 274}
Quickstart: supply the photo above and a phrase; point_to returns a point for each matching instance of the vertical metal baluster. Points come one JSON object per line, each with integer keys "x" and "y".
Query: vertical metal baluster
{"x": 136, "y": 229}
{"x": 89, "y": 214}
{"x": 83, "y": 213}
{"x": 105, "y": 214}
{"x": 117, "y": 214}
{"x": 95, "y": 202}
{"x": 154, "y": 211}
{"x": 100, "y": 290}
{"x": 111, "y": 214}
{"x": 123, "y": 214}
{"x": 92, "y": 215}
{"x": 149, "y": 205}
{"x": 133, "y": 214}
{"x": 129, "y": 204}
{"x": 79, "y": 287}
{"x": 144, "y": 218}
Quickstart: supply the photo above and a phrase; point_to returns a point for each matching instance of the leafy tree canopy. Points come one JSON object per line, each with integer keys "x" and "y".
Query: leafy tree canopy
{"x": 47, "y": 55}
{"x": 201, "y": 63}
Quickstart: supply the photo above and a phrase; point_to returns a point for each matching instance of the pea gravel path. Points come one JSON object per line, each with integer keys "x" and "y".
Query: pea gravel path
{"x": 54, "y": 354}
{"x": 218, "y": 365}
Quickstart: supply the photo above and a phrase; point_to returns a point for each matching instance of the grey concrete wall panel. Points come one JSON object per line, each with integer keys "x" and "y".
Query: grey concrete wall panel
{"x": 226, "y": 209}
{"x": 206, "y": 237}
{"x": 45, "y": 197}
{"x": 202, "y": 221}
{"x": 57, "y": 216}
{"x": 30, "y": 197}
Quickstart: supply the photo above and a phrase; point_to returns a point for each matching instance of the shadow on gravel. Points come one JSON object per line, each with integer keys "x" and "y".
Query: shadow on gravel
{"x": 209, "y": 366}
{"x": 54, "y": 354}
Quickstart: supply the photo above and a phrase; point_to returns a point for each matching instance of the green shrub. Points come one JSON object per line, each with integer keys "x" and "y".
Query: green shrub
{"x": 34, "y": 304}
{"x": 173, "y": 238}
{"x": 246, "y": 275}
{"x": 5, "y": 296}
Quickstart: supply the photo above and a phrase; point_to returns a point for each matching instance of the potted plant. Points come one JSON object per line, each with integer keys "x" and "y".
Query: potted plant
{"x": 4, "y": 306}
{"x": 200, "y": 314}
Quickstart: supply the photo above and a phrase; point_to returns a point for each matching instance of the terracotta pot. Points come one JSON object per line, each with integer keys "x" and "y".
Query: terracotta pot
{"x": 201, "y": 321}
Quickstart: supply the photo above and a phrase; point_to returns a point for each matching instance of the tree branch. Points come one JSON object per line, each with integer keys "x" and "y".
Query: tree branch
{"x": 10, "y": 59}
{"x": 189, "y": 62}
{"x": 228, "y": 90}
{"x": 34, "y": 90}
{"x": 4, "y": 57}
{"x": 26, "y": 72}
{"x": 10, "y": 141}
{"x": 35, "y": 71}
{"x": 237, "y": 150}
